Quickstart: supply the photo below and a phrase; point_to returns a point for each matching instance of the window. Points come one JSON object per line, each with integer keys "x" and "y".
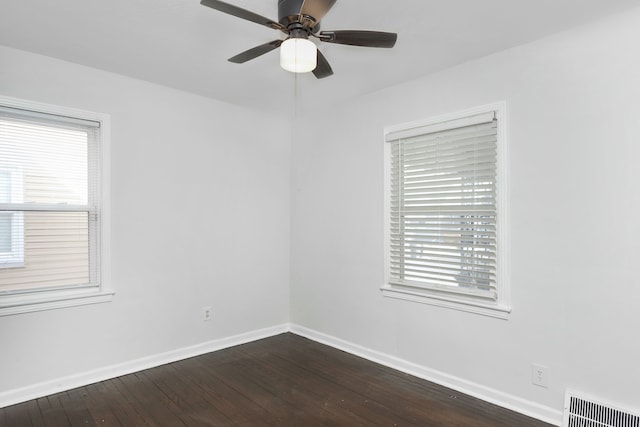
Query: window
{"x": 445, "y": 212}
{"x": 53, "y": 222}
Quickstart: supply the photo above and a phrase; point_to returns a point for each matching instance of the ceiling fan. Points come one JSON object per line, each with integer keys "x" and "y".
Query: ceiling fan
{"x": 299, "y": 20}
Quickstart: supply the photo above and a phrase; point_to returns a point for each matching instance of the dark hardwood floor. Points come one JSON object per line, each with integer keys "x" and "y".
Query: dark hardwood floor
{"x": 285, "y": 380}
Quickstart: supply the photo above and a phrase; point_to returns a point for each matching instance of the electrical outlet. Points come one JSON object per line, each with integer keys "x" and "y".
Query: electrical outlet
{"x": 206, "y": 314}
{"x": 539, "y": 375}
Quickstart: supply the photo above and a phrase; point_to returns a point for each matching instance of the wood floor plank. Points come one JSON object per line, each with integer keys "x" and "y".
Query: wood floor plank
{"x": 76, "y": 407}
{"x": 284, "y": 380}
{"x": 150, "y": 401}
{"x": 19, "y": 416}
{"x": 281, "y": 386}
{"x": 189, "y": 400}
{"x": 237, "y": 380}
{"x": 359, "y": 409}
{"x": 126, "y": 410}
{"x": 102, "y": 410}
{"x": 52, "y": 411}
{"x": 229, "y": 401}
{"x": 34, "y": 414}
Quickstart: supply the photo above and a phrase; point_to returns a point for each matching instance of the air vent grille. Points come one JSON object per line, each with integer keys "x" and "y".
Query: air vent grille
{"x": 587, "y": 412}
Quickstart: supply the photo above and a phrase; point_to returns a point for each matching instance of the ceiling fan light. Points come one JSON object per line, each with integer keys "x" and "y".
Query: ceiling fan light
{"x": 298, "y": 55}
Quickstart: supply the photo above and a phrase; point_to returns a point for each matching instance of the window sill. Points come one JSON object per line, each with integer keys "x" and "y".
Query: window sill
{"x": 51, "y": 300}
{"x": 441, "y": 300}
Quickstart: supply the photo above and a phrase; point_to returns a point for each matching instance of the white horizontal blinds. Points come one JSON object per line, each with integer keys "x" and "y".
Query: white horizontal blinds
{"x": 52, "y": 197}
{"x": 443, "y": 207}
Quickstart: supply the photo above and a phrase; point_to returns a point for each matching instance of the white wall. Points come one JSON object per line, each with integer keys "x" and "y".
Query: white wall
{"x": 574, "y": 143}
{"x": 200, "y": 216}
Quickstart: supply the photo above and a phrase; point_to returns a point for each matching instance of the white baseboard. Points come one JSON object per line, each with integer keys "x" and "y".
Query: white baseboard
{"x": 514, "y": 403}
{"x": 35, "y": 391}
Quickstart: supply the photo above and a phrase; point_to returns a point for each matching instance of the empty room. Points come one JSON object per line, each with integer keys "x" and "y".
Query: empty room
{"x": 319, "y": 212}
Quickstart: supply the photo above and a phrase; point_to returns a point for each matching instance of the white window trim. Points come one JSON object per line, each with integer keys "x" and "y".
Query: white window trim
{"x": 31, "y": 301}
{"x": 501, "y": 307}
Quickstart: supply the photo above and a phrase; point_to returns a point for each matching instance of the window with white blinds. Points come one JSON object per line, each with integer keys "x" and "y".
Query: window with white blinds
{"x": 50, "y": 205}
{"x": 444, "y": 212}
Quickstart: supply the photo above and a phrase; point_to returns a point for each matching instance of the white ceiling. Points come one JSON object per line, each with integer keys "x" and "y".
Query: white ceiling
{"x": 181, "y": 44}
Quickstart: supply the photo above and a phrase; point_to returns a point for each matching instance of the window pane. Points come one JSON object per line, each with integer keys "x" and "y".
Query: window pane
{"x": 5, "y": 232}
{"x": 56, "y": 252}
{"x": 53, "y": 161}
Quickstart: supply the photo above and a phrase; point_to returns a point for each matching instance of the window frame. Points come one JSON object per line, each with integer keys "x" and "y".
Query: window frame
{"x": 498, "y": 308}
{"x": 38, "y": 299}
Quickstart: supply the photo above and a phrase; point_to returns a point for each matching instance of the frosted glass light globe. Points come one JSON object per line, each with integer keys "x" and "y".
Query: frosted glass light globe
{"x": 298, "y": 55}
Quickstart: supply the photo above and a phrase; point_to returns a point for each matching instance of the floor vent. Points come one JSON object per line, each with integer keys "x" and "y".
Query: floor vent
{"x": 587, "y": 412}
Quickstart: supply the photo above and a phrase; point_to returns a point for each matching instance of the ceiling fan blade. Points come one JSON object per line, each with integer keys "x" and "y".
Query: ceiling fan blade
{"x": 360, "y": 38}
{"x": 323, "y": 69}
{"x": 253, "y": 53}
{"x": 316, "y": 8}
{"x": 242, "y": 13}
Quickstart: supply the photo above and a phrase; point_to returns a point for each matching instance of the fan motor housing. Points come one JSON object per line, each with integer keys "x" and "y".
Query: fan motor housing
{"x": 289, "y": 13}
